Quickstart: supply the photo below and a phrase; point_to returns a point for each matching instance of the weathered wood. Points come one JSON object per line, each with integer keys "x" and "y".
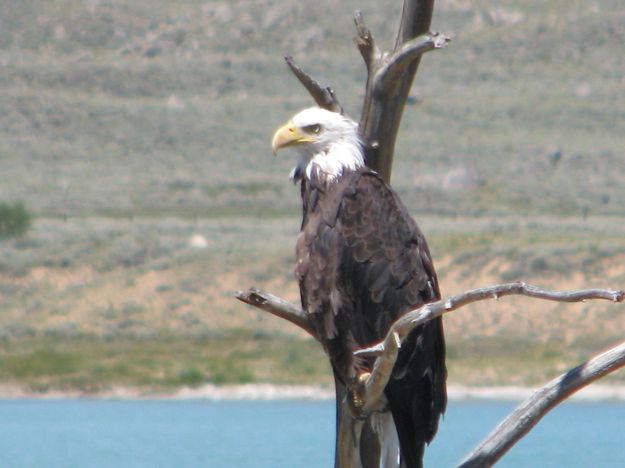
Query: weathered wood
{"x": 531, "y": 411}
{"x": 394, "y": 66}
{"x": 373, "y": 387}
{"x": 383, "y": 107}
{"x": 365, "y": 43}
{"x": 323, "y": 95}
{"x": 412, "y": 319}
{"x": 276, "y": 306}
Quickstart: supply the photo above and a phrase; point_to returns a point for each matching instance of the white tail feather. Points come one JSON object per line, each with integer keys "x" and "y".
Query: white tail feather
{"x": 384, "y": 426}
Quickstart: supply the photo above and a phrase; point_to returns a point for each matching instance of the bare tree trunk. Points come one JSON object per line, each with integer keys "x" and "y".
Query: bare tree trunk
{"x": 389, "y": 79}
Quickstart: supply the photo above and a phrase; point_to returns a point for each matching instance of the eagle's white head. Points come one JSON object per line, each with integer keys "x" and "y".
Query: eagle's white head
{"x": 328, "y": 143}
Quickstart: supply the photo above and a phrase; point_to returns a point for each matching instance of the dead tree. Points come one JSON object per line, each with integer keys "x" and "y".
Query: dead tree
{"x": 519, "y": 422}
{"x": 389, "y": 78}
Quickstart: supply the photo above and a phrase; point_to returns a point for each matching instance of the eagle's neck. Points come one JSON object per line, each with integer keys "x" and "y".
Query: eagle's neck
{"x": 329, "y": 164}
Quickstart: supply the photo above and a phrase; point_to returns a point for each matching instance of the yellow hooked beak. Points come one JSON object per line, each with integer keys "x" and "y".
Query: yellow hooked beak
{"x": 288, "y": 135}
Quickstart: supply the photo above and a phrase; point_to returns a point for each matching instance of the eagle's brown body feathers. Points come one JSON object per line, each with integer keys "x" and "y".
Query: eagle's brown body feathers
{"x": 361, "y": 262}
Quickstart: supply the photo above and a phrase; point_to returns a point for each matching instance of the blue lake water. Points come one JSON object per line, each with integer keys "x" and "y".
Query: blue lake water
{"x": 137, "y": 434}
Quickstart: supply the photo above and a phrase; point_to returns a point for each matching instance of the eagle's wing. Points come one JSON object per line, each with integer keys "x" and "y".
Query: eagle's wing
{"x": 386, "y": 270}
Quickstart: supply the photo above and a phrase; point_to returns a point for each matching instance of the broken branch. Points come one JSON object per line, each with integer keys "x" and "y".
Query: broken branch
{"x": 323, "y": 96}
{"x": 276, "y": 306}
{"x": 365, "y": 43}
{"x": 410, "y": 51}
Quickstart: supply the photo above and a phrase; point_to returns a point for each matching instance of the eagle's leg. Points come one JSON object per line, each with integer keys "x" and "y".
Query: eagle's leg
{"x": 373, "y": 428}
{"x": 357, "y": 396}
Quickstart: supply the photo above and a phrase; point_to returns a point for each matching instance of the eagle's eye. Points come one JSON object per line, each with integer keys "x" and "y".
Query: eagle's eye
{"x": 314, "y": 128}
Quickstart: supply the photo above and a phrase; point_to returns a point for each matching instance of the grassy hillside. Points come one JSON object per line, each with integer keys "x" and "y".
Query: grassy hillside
{"x": 128, "y": 128}
{"x": 160, "y": 107}
{"x": 121, "y": 302}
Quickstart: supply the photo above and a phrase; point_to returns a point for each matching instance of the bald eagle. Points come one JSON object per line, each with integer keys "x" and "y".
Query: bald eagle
{"x": 361, "y": 262}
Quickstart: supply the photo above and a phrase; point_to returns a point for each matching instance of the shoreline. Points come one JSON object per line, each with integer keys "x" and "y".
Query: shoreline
{"x": 271, "y": 392}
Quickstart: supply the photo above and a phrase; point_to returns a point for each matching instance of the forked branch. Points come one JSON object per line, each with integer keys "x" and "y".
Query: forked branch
{"x": 412, "y": 319}
{"x": 402, "y": 327}
{"x": 385, "y": 98}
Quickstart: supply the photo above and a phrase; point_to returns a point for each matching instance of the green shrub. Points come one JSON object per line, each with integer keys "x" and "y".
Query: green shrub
{"x": 14, "y": 220}
{"x": 191, "y": 377}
